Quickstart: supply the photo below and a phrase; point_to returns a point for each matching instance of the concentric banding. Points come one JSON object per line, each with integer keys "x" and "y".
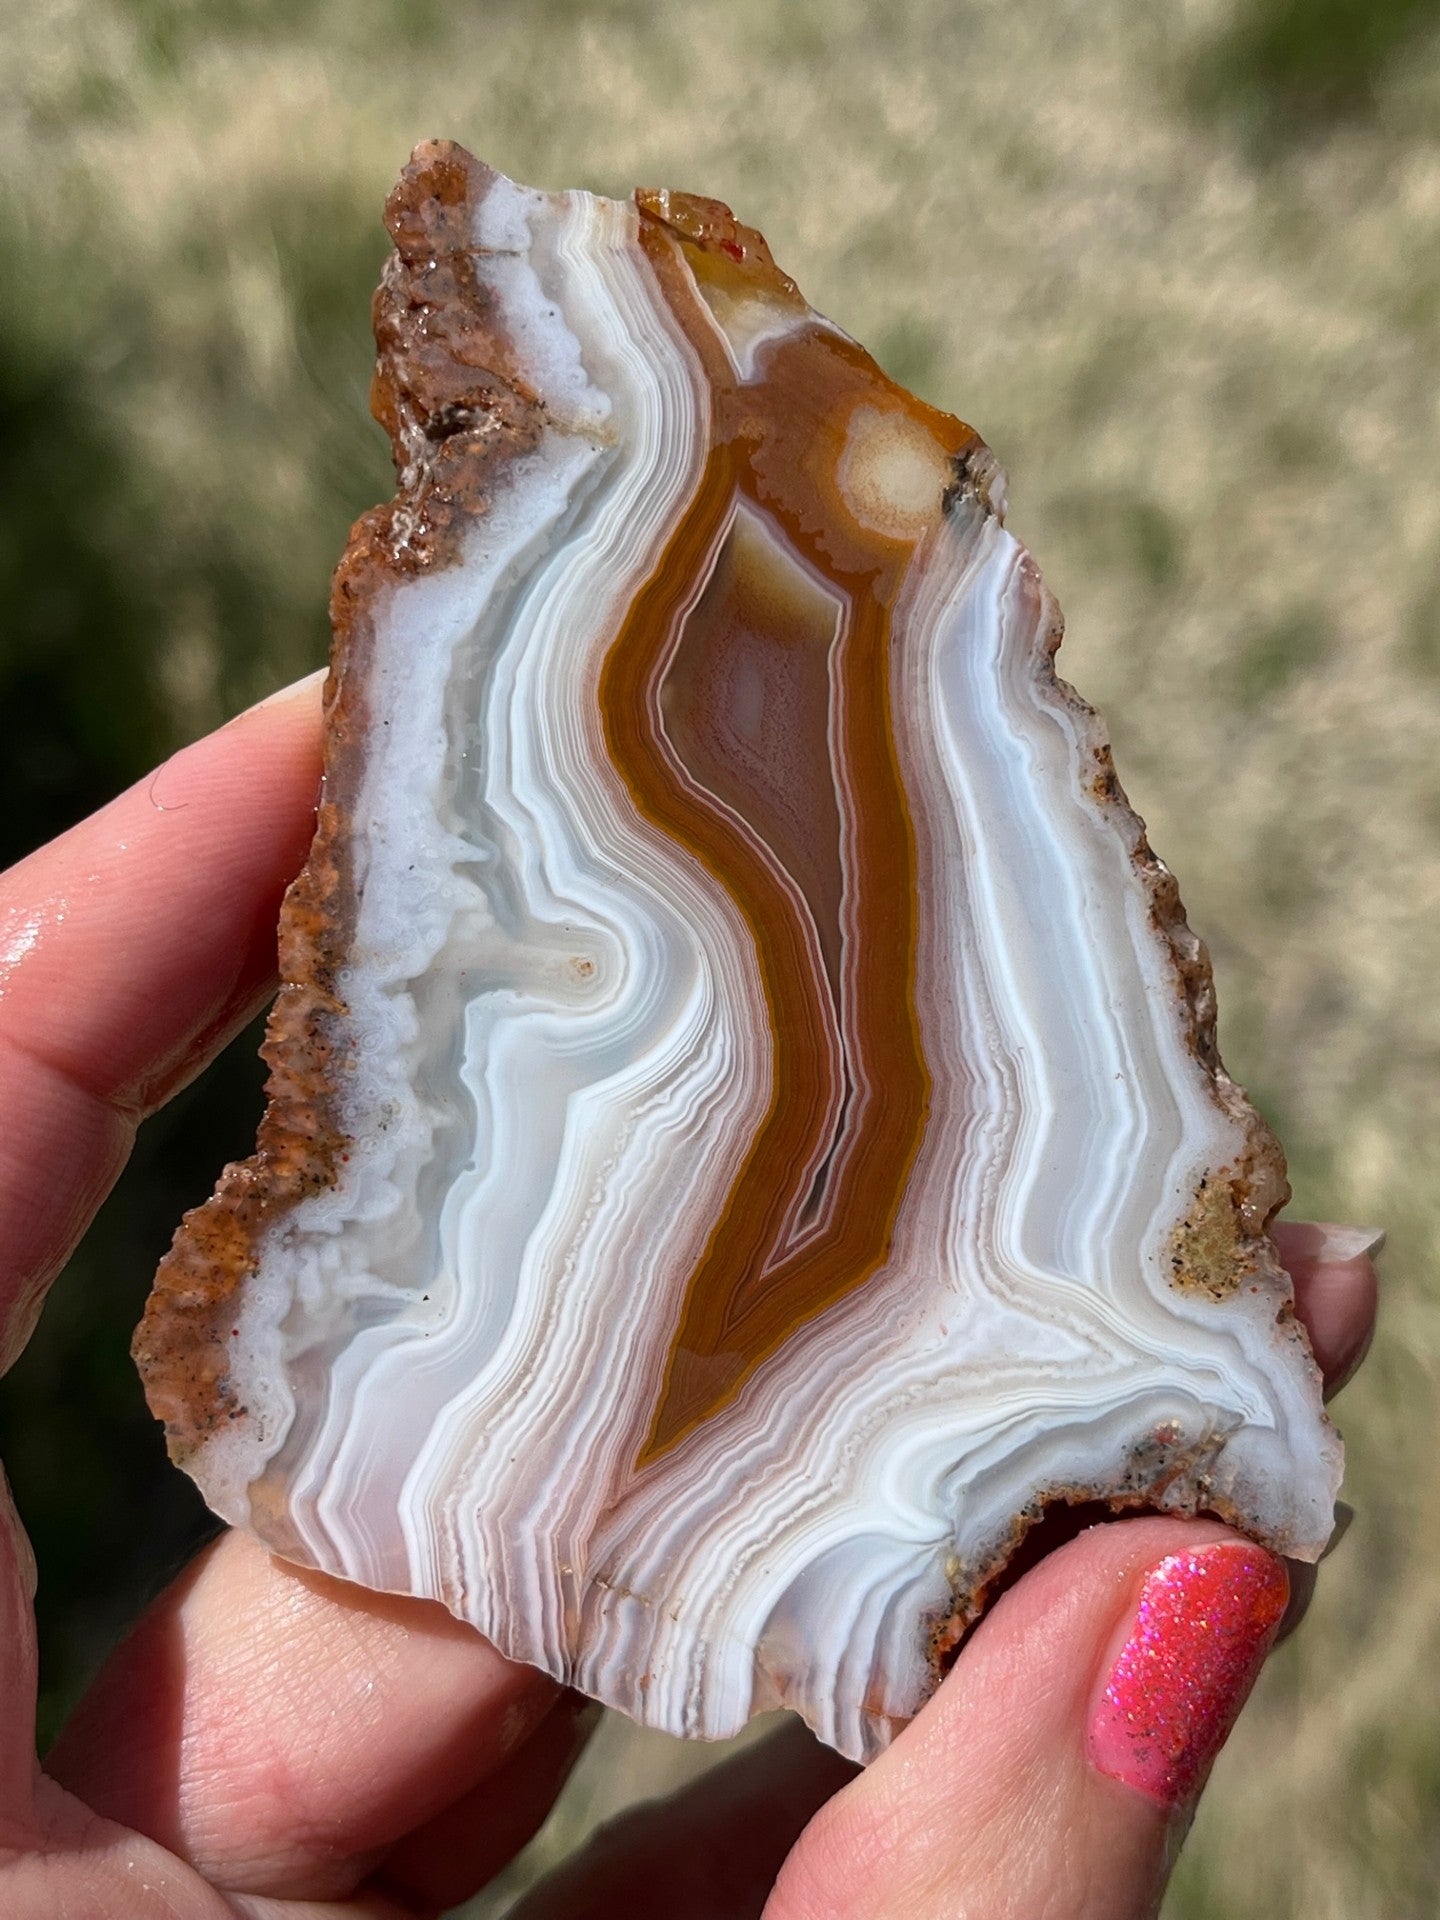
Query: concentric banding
{"x": 746, "y": 1123}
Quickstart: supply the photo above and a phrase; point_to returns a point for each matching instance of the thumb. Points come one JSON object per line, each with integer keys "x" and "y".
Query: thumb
{"x": 17, "y": 1670}
{"x": 1057, "y": 1768}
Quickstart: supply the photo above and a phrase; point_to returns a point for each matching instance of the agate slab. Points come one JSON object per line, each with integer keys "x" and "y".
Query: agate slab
{"x": 746, "y": 1134}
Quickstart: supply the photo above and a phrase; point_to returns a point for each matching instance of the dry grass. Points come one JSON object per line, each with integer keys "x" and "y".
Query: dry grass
{"x": 1213, "y": 379}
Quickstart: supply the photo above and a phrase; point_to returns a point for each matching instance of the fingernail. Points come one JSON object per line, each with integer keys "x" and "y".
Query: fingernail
{"x": 295, "y": 691}
{"x": 1205, "y": 1623}
{"x": 1345, "y": 1243}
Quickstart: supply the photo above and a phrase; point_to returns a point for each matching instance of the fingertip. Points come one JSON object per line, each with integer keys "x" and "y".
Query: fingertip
{"x": 271, "y": 753}
{"x": 992, "y": 1799}
{"x": 1337, "y": 1291}
{"x": 285, "y": 730}
{"x": 1198, "y": 1633}
{"x": 280, "y": 1729}
{"x": 302, "y": 698}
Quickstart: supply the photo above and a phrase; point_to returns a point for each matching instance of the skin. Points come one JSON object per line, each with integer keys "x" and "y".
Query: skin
{"x": 273, "y": 1744}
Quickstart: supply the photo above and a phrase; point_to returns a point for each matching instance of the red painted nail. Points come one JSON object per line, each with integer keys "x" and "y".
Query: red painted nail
{"x": 1202, "y": 1630}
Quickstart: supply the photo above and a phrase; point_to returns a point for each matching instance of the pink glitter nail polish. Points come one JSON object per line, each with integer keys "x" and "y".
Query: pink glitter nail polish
{"x": 1203, "y": 1627}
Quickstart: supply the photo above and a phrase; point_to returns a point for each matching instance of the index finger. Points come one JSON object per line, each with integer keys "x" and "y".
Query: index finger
{"x": 131, "y": 949}
{"x": 276, "y": 1728}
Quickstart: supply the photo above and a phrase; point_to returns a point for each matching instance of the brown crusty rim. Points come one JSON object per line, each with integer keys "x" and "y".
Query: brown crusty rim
{"x": 447, "y": 392}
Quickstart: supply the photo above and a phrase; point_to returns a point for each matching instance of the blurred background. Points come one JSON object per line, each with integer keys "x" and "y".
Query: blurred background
{"x": 1180, "y": 264}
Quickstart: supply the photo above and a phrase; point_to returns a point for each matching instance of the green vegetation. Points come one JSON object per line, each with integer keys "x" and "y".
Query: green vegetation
{"x": 1290, "y": 69}
{"x": 1179, "y": 267}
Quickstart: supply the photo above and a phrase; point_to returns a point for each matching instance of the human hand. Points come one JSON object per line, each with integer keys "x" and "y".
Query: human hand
{"x": 281, "y": 1746}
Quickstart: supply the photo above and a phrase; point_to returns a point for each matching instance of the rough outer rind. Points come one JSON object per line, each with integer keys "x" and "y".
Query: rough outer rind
{"x": 446, "y": 391}
{"x": 1226, "y": 1236}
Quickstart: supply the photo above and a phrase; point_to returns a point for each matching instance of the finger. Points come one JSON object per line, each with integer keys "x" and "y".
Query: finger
{"x": 131, "y": 948}
{"x": 281, "y": 1731}
{"x": 1056, "y": 1768}
{"x": 18, "y": 1678}
{"x": 1335, "y": 1291}
{"x": 465, "y": 1846}
{"x": 709, "y": 1852}
{"x": 76, "y": 1867}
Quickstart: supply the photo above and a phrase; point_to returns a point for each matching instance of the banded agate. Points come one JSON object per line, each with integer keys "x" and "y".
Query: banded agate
{"x": 746, "y": 1135}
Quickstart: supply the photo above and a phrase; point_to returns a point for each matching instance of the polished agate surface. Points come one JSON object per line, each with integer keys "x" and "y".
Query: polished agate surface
{"x": 746, "y": 1136}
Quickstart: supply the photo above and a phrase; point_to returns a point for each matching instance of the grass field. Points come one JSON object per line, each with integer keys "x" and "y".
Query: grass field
{"x": 1180, "y": 264}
